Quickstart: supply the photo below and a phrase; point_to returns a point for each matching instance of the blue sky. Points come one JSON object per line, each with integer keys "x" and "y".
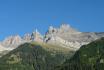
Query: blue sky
{"x": 22, "y": 16}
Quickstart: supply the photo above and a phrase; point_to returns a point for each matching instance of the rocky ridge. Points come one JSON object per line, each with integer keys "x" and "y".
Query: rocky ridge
{"x": 13, "y": 42}
{"x": 64, "y": 36}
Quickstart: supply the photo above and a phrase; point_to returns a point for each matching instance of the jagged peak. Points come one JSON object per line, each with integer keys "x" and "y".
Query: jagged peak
{"x": 63, "y": 25}
{"x": 51, "y": 27}
{"x": 36, "y": 36}
{"x": 13, "y": 37}
{"x": 36, "y": 31}
{"x": 68, "y": 27}
{"x": 11, "y": 40}
{"x": 62, "y": 28}
{"x": 27, "y": 36}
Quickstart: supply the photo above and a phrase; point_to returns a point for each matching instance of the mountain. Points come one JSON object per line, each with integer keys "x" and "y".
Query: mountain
{"x": 37, "y": 52}
{"x": 13, "y": 42}
{"x": 34, "y": 56}
{"x": 65, "y": 35}
{"x": 88, "y": 57}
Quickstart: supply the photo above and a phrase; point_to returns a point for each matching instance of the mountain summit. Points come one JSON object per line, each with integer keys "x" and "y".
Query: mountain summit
{"x": 64, "y": 36}
{"x": 36, "y": 52}
{"x": 13, "y": 42}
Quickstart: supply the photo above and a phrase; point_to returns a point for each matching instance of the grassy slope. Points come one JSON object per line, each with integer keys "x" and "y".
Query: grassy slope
{"x": 34, "y": 56}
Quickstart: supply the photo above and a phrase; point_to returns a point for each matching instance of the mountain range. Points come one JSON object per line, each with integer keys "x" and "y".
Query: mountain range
{"x": 64, "y": 36}
{"x": 56, "y": 48}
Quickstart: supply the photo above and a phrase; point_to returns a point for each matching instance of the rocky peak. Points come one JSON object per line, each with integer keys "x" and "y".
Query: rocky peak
{"x": 33, "y": 35}
{"x": 64, "y": 31}
{"x": 11, "y": 40}
{"x": 27, "y": 37}
{"x": 68, "y": 36}
{"x": 64, "y": 28}
{"x": 65, "y": 35}
{"x": 67, "y": 28}
{"x": 36, "y": 36}
{"x": 52, "y": 30}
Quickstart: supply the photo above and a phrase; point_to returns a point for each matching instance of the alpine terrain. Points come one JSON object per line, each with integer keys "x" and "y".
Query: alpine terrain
{"x": 35, "y": 51}
{"x": 88, "y": 57}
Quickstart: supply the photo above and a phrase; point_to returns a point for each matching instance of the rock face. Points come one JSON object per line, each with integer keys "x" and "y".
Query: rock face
{"x": 65, "y": 36}
{"x": 27, "y": 37}
{"x": 36, "y": 36}
{"x": 13, "y": 42}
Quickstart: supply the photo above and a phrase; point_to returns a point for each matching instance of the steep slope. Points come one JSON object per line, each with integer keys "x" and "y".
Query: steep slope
{"x": 3, "y": 50}
{"x": 12, "y": 42}
{"x": 34, "y": 56}
{"x": 68, "y": 36}
{"x": 88, "y": 57}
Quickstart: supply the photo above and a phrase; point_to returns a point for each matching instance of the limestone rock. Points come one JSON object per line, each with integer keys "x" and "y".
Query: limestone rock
{"x": 27, "y": 37}
{"x": 36, "y": 36}
{"x": 70, "y": 37}
{"x": 12, "y": 40}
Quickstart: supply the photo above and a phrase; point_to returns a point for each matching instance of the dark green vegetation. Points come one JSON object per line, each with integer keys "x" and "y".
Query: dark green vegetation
{"x": 88, "y": 57}
{"x": 34, "y": 56}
